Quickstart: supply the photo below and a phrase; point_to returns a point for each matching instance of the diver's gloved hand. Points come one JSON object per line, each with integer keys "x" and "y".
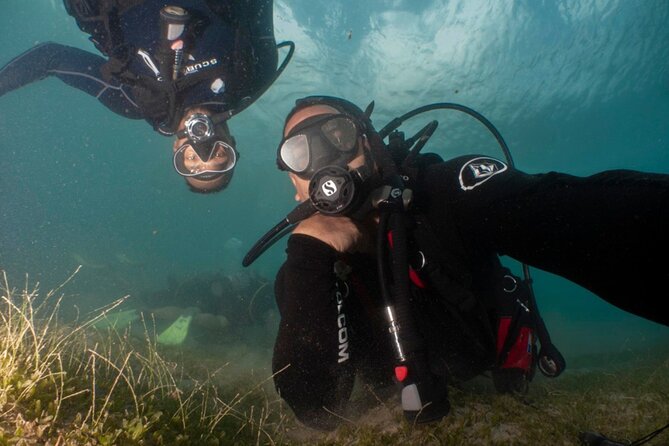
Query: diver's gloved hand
{"x": 341, "y": 233}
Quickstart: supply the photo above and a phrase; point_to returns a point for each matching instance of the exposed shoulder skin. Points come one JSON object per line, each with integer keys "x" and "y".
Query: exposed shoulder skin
{"x": 341, "y": 233}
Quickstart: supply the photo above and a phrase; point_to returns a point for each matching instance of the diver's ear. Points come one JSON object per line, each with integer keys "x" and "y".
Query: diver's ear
{"x": 365, "y": 141}
{"x": 294, "y": 179}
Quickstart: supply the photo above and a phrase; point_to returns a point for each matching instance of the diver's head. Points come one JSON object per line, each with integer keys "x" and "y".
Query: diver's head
{"x": 204, "y": 152}
{"x": 322, "y": 131}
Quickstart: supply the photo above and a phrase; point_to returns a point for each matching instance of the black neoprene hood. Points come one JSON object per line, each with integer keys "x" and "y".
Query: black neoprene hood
{"x": 341, "y": 105}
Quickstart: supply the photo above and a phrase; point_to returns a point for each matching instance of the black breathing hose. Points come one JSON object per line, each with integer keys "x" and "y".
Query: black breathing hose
{"x": 301, "y": 211}
{"x": 394, "y": 279}
{"x": 395, "y": 123}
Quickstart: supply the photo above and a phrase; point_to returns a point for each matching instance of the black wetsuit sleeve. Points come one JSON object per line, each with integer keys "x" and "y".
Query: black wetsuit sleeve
{"x": 256, "y": 17}
{"x": 262, "y": 38}
{"x": 313, "y": 372}
{"x": 606, "y": 232}
{"x": 77, "y": 68}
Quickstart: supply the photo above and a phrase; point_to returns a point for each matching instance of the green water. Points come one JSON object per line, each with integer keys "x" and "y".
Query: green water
{"x": 577, "y": 86}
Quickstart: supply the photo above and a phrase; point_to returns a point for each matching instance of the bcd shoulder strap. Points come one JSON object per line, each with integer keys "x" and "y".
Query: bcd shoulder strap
{"x": 443, "y": 265}
{"x": 447, "y": 275}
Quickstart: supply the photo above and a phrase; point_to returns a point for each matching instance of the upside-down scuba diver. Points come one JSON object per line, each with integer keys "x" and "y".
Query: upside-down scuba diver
{"x": 186, "y": 67}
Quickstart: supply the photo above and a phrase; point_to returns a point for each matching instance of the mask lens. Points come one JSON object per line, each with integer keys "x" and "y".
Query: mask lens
{"x": 341, "y": 132}
{"x": 295, "y": 153}
{"x": 219, "y": 157}
{"x": 319, "y": 141}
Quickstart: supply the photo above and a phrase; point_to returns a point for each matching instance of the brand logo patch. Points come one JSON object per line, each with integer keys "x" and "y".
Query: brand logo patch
{"x": 342, "y": 333}
{"x": 190, "y": 69}
{"x": 329, "y": 188}
{"x": 479, "y": 170}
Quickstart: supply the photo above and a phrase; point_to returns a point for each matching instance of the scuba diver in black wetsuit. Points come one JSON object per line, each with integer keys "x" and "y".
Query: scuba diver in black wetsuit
{"x": 393, "y": 260}
{"x": 186, "y": 68}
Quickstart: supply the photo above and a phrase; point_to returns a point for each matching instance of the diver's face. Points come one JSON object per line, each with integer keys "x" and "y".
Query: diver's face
{"x": 219, "y": 158}
{"x": 302, "y": 185}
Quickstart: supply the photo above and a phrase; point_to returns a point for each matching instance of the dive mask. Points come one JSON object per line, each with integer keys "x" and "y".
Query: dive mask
{"x": 205, "y": 160}
{"x": 319, "y": 141}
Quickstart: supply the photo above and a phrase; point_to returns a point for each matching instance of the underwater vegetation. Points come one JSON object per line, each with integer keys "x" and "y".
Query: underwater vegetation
{"x": 75, "y": 384}
{"x": 624, "y": 402}
{"x": 89, "y": 382}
